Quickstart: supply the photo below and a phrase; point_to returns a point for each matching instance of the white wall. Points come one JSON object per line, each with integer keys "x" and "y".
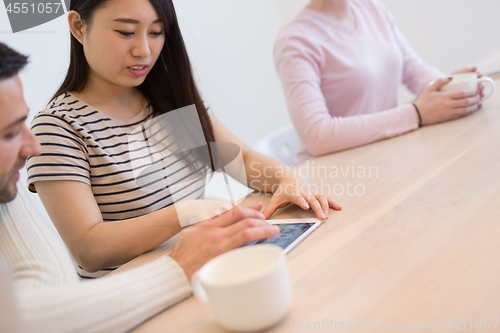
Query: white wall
{"x": 449, "y": 34}
{"x": 230, "y": 43}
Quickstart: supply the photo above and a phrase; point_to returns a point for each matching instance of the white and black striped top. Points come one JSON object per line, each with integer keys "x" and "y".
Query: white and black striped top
{"x": 81, "y": 143}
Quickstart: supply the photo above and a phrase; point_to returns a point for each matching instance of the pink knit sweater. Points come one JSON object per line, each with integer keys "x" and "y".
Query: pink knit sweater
{"x": 341, "y": 83}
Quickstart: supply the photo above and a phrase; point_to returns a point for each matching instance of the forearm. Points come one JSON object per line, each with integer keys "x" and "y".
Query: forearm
{"x": 109, "y": 244}
{"x": 111, "y": 304}
{"x": 264, "y": 173}
{"x": 260, "y": 172}
{"x": 324, "y": 134}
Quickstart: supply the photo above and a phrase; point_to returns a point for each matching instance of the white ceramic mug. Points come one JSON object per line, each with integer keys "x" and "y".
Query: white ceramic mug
{"x": 247, "y": 289}
{"x": 469, "y": 81}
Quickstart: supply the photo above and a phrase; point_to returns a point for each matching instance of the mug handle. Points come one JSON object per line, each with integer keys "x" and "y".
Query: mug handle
{"x": 491, "y": 83}
{"x": 198, "y": 290}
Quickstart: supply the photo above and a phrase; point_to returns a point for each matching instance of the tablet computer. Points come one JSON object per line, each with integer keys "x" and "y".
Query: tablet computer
{"x": 292, "y": 232}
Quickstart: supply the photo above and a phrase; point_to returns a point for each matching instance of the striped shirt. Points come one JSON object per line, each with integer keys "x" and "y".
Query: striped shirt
{"x": 127, "y": 178}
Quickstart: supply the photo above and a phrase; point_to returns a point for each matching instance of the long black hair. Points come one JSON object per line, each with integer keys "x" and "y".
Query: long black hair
{"x": 168, "y": 86}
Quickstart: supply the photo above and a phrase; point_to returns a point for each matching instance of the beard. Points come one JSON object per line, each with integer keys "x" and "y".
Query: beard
{"x": 8, "y": 187}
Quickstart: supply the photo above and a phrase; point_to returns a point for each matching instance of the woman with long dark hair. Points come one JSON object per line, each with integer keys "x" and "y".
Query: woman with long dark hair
{"x": 98, "y": 176}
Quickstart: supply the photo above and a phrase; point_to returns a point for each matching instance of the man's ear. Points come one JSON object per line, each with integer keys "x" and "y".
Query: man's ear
{"x": 76, "y": 25}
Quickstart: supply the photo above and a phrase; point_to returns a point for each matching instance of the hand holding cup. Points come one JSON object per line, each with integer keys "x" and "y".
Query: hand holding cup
{"x": 451, "y": 98}
{"x": 470, "y": 81}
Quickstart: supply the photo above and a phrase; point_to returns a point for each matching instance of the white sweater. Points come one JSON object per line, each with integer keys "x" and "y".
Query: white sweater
{"x": 50, "y": 296}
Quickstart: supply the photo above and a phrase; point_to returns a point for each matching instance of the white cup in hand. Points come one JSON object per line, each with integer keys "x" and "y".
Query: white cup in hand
{"x": 469, "y": 81}
{"x": 247, "y": 289}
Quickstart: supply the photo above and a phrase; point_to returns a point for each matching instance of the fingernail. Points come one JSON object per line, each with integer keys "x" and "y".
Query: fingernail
{"x": 449, "y": 78}
{"x": 276, "y": 228}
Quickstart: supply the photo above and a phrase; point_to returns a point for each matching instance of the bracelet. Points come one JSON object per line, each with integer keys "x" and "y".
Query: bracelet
{"x": 419, "y": 116}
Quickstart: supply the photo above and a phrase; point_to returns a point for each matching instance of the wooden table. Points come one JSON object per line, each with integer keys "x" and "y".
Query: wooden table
{"x": 419, "y": 243}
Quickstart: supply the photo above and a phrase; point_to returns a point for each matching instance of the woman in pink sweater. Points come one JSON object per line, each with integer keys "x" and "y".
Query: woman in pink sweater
{"x": 341, "y": 63}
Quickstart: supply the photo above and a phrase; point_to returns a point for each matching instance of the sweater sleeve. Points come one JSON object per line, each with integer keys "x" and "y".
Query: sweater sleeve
{"x": 114, "y": 304}
{"x": 299, "y": 67}
{"x": 52, "y": 299}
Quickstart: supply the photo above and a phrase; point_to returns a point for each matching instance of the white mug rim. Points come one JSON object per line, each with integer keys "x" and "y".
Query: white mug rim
{"x": 235, "y": 252}
{"x": 471, "y": 74}
{"x": 462, "y": 77}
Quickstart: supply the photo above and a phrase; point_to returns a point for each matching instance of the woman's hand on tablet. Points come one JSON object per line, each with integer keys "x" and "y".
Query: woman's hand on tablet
{"x": 297, "y": 190}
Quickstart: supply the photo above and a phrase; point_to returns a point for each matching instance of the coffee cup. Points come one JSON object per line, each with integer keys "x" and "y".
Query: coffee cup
{"x": 247, "y": 289}
{"x": 469, "y": 81}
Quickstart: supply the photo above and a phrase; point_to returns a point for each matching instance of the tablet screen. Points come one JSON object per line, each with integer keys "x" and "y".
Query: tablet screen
{"x": 288, "y": 234}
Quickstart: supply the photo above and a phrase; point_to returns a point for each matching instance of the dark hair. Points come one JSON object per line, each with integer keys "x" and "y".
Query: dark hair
{"x": 168, "y": 86}
{"x": 11, "y": 62}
